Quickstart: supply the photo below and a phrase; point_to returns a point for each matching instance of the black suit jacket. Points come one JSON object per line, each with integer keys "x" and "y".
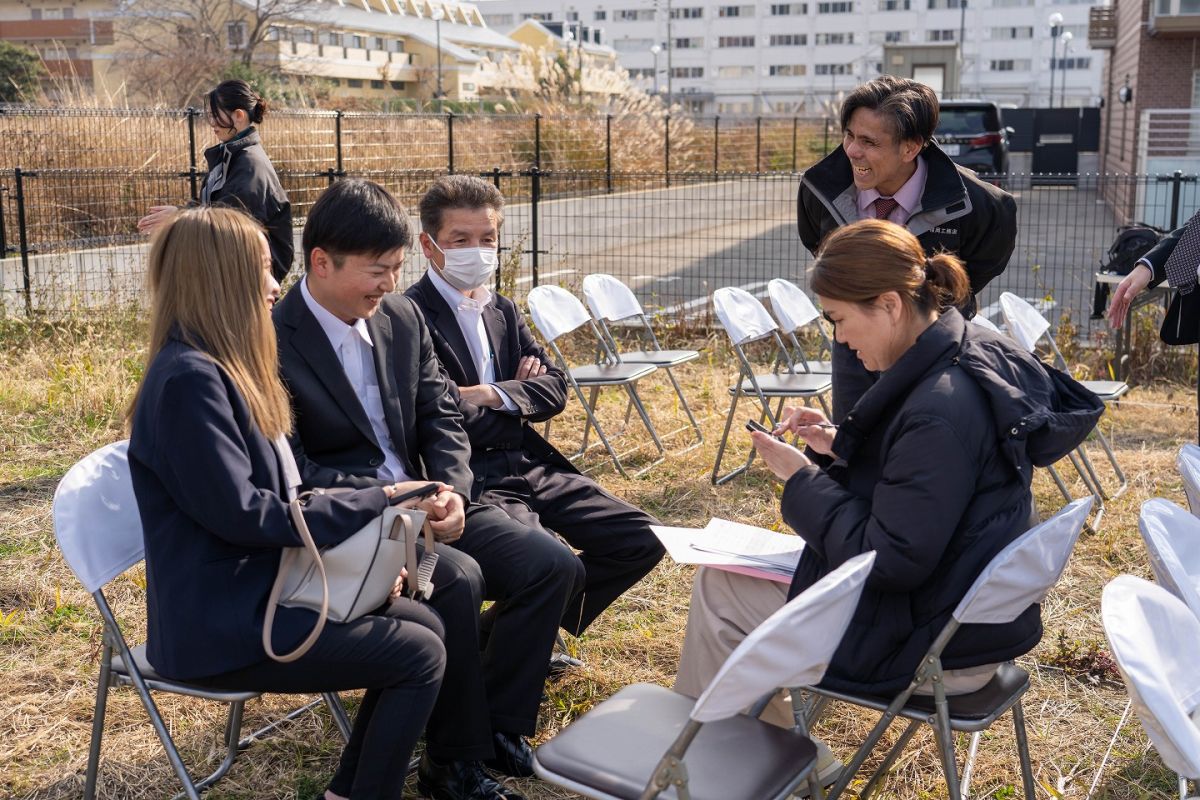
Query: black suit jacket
{"x": 1182, "y": 322}
{"x": 333, "y": 441}
{"x": 537, "y": 399}
{"x": 211, "y": 496}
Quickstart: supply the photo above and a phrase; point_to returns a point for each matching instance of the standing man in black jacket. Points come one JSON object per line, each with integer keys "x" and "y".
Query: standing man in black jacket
{"x": 888, "y": 167}
{"x": 372, "y": 404}
{"x": 505, "y": 381}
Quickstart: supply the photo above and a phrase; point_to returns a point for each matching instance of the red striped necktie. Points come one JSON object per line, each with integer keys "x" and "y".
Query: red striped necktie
{"x": 884, "y": 206}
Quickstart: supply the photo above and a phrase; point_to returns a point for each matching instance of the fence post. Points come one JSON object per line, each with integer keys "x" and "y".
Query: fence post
{"x": 535, "y": 190}
{"x": 795, "y": 128}
{"x": 496, "y": 183}
{"x": 450, "y": 142}
{"x": 716, "y": 146}
{"x": 758, "y": 144}
{"x": 192, "y": 113}
{"x": 537, "y": 144}
{"x": 825, "y": 148}
{"x": 24, "y": 238}
{"x": 1176, "y": 183}
{"x": 3, "y": 231}
{"x": 337, "y": 140}
{"x": 667, "y": 149}
{"x": 608, "y": 152}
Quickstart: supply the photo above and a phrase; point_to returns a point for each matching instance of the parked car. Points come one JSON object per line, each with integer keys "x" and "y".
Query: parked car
{"x": 973, "y": 133}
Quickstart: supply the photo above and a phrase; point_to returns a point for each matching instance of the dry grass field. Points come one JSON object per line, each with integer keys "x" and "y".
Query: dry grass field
{"x": 63, "y": 392}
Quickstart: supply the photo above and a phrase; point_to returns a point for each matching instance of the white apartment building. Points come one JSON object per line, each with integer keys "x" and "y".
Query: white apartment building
{"x": 773, "y": 56}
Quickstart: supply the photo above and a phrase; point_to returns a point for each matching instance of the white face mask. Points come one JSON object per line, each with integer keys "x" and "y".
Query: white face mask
{"x": 467, "y": 268}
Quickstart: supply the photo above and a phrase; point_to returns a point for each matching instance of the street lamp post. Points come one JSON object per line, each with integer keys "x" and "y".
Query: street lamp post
{"x": 1066, "y": 38}
{"x": 437, "y": 15}
{"x": 655, "y": 49}
{"x": 1055, "y": 29}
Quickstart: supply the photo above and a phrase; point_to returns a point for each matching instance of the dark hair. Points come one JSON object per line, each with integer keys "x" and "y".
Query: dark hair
{"x": 355, "y": 217}
{"x": 458, "y": 191}
{"x": 910, "y": 107}
{"x": 860, "y": 261}
{"x": 229, "y": 96}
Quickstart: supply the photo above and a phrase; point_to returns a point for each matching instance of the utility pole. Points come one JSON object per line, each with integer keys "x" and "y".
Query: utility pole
{"x": 962, "y": 43}
{"x": 670, "y": 50}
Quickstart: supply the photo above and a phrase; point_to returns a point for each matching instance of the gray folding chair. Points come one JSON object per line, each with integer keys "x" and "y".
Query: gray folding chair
{"x": 647, "y": 740}
{"x": 747, "y": 322}
{"x": 556, "y": 312}
{"x": 1188, "y": 464}
{"x": 1020, "y": 575}
{"x": 99, "y": 532}
{"x": 611, "y": 301}
{"x": 795, "y": 311}
{"x": 1027, "y": 326}
{"x": 1172, "y": 537}
{"x": 1155, "y": 640}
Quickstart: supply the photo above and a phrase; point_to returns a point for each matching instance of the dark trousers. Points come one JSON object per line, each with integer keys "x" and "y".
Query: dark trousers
{"x": 398, "y": 658}
{"x": 616, "y": 543}
{"x": 530, "y": 576}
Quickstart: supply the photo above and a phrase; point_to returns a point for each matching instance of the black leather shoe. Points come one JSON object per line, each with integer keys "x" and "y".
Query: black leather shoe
{"x": 561, "y": 663}
{"x": 514, "y": 756}
{"x": 459, "y": 780}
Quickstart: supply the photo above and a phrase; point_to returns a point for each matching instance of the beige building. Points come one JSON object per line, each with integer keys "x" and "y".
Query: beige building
{"x": 74, "y": 39}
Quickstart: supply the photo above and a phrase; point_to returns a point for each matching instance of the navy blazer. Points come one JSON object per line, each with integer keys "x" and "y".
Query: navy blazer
{"x": 537, "y": 399}
{"x": 333, "y": 442}
{"x": 212, "y": 499}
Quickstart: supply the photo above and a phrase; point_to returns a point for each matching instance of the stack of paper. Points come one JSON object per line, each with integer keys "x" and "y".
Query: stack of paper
{"x": 735, "y": 547}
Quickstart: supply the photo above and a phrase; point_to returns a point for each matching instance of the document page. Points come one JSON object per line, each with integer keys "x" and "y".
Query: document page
{"x": 736, "y": 547}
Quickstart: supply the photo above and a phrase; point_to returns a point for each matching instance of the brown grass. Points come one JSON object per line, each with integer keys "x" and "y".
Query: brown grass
{"x": 63, "y": 394}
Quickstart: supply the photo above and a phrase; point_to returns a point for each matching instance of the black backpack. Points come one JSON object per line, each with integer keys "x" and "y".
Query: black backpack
{"x": 1132, "y": 242}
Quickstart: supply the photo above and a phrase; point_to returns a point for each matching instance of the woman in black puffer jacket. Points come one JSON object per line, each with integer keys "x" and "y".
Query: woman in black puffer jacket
{"x": 240, "y": 175}
{"x": 931, "y": 469}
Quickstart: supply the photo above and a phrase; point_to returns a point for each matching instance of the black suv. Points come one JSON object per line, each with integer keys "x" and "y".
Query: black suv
{"x": 972, "y": 133}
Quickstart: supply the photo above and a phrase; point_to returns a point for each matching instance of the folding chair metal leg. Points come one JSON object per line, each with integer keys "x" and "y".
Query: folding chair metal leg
{"x": 945, "y": 743}
{"x": 969, "y": 767}
{"x": 1122, "y": 481}
{"x": 591, "y": 419}
{"x": 233, "y": 729}
{"x": 1183, "y": 788}
{"x": 1018, "y": 713}
{"x": 589, "y": 408}
{"x": 1094, "y": 525}
{"x": 717, "y": 478}
{"x": 894, "y": 753}
{"x": 338, "y": 712}
{"x": 686, "y": 410}
{"x": 93, "y": 765}
{"x": 1058, "y": 481}
{"x": 636, "y": 399}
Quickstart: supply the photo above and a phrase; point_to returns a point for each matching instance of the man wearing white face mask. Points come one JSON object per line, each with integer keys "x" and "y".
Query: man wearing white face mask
{"x": 506, "y": 380}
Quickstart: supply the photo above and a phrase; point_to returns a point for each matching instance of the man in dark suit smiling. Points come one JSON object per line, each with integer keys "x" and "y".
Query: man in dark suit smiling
{"x": 372, "y": 405}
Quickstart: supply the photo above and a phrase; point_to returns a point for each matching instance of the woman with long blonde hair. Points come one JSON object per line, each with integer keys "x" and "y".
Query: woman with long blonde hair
{"x": 211, "y": 489}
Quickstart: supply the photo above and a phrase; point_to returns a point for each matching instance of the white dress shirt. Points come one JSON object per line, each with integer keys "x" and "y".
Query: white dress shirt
{"x": 355, "y": 352}
{"x": 468, "y": 311}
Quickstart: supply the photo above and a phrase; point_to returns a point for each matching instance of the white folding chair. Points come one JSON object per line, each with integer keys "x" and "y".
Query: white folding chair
{"x": 1155, "y": 640}
{"x": 794, "y": 311}
{"x": 556, "y": 312}
{"x": 1020, "y": 575}
{"x": 986, "y": 324}
{"x": 99, "y": 533}
{"x": 610, "y": 300}
{"x": 1188, "y": 464}
{"x": 647, "y": 740}
{"x": 747, "y": 322}
{"x": 1172, "y": 537}
{"x": 1027, "y": 326}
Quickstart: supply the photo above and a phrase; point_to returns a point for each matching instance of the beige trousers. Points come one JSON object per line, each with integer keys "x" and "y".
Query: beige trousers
{"x": 726, "y": 606}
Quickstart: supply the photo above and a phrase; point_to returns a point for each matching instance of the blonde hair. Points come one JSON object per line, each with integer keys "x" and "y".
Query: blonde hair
{"x": 862, "y": 260}
{"x": 206, "y": 284}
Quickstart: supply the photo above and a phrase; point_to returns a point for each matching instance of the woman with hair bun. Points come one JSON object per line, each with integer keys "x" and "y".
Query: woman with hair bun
{"x": 240, "y": 175}
{"x": 930, "y": 469}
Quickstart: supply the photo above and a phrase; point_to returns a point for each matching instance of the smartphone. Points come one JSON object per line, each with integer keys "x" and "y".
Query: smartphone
{"x": 751, "y": 425}
{"x": 420, "y": 491}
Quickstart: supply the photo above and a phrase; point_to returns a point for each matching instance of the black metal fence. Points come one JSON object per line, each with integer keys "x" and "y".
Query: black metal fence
{"x": 70, "y": 235}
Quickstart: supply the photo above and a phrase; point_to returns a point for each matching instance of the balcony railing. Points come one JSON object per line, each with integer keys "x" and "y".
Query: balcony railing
{"x": 1102, "y": 27}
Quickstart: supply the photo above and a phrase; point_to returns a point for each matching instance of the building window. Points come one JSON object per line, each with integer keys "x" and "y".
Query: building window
{"x": 378, "y": 43}
{"x": 572, "y": 16}
{"x": 939, "y": 4}
{"x": 788, "y": 39}
{"x": 235, "y": 35}
{"x": 335, "y": 81}
{"x": 735, "y": 11}
{"x": 468, "y": 87}
{"x": 833, "y": 69}
{"x": 377, "y": 84}
{"x": 786, "y": 70}
{"x": 274, "y": 34}
{"x": 1022, "y": 32}
{"x": 1011, "y": 3}
{"x": 942, "y": 35}
{"x": 35, "y": 13}
{"x": 895, "y": 5}
{"x": 633, "y": 14}
{"x": 354, "y": 83}
{"x": 690, "y": 43}
{"x": 332, "y": 38}
{"x": 687, "y": 72}
{"x": 358, "y": 41}
{"x": 396, "y": 46}
{"x": 736, "y": 41}
{"x": 1074, "y": 62}
{"x": 637, "y": 73}
{"x": 738, "y": 71}
{"x": 68, "y": 13}
{"x": 498, "y": 20}
{"x": 304, "y": 35}
{"x": 692, "y": 12}
{"x": 538, "y": 17}
{"x": 1010, "y": 65}
{"x": 835, "y": 8}
{"x": 632, "y": 45}
{"x": 833, "y": 38}
{"x": 788, "y": 9}
{"x": 734, "y": 108}
{"x": 889, "y": 37}
{"x": 600, "y": 15}
{"x": 399, "y": 86}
